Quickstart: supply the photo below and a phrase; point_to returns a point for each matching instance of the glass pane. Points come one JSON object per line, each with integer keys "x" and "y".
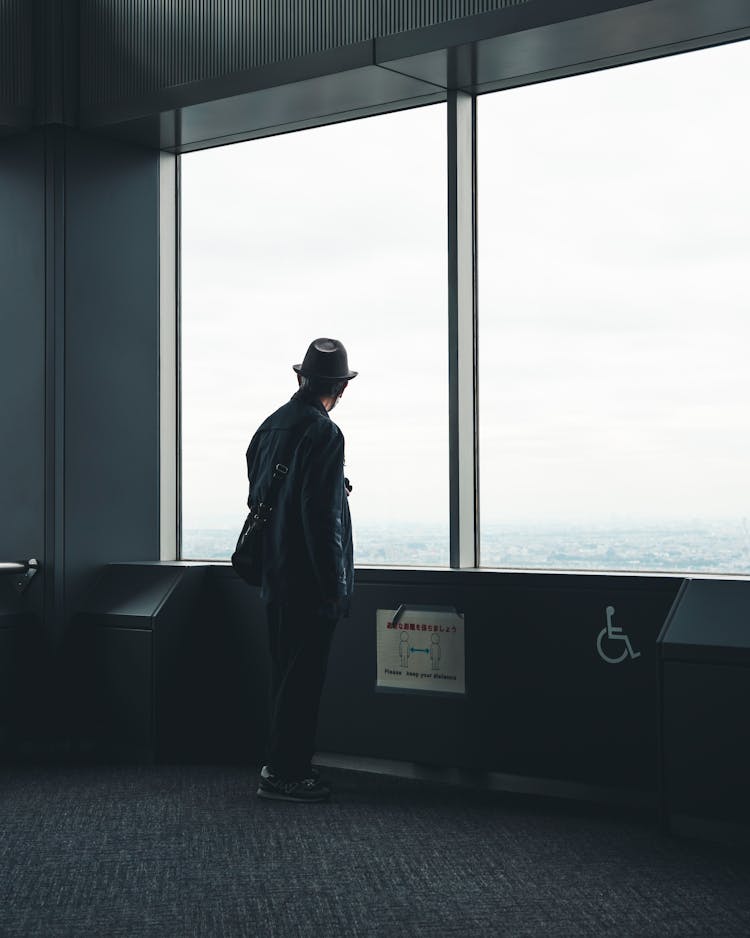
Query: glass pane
{"x": 615, "y": 318}
{"x": 338, "y": 231}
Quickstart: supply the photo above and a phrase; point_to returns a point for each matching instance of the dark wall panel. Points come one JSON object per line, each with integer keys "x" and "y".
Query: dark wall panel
{"x": 239, "y": 634}
{"x": 705, "y": 698}
{"x": 541, "y": 701}
{"x": 22, "y": 432}
{"x": 19, "y": 690}
{"x": 149, "y": 689}
{"x": 16, "y": 69}
{"x": 130, "y": 49}
{"x": 707, "y": 740}
{"x": 79, "y": 377}
{"x": 22, "y": 337}
{"x": 112, "y": 356}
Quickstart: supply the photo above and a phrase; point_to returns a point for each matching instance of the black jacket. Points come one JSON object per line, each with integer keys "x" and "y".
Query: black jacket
{"x": 307, "y": 550}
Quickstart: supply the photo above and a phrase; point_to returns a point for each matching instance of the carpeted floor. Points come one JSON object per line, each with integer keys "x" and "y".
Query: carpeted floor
{"x": 162, "y": 851}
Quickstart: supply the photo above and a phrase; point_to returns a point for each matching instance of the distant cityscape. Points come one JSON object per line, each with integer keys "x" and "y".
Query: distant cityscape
{"x": 720, "y": 547}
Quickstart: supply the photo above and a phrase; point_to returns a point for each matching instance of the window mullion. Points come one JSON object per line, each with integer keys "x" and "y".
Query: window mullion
{"x": 169, "y": 396}
{"x": 462, "y": 330}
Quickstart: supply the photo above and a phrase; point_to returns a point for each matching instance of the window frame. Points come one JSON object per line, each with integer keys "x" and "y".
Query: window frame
{"x": 463, "y": 330}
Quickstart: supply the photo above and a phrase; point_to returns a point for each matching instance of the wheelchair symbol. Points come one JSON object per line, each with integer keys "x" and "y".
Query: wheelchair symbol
{"x": 612, "y": 633}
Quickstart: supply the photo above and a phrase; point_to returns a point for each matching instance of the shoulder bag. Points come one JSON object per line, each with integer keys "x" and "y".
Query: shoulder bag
{"x": 247, "y": 558}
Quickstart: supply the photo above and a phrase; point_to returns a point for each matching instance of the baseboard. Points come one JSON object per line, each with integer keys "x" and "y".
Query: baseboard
{"x": 490, "y": 781}
{"x": 725, "y": 832}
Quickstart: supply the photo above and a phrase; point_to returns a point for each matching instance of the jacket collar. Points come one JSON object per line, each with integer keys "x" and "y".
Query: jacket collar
{"x": 303, "y": 398}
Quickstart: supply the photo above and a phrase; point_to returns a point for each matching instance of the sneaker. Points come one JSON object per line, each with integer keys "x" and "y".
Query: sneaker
{"x": 268, "y": 771}
{"x": 276, "y": 788}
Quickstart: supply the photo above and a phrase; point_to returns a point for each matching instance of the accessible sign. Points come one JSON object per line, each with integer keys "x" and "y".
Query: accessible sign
{"x": 422, "y": 650}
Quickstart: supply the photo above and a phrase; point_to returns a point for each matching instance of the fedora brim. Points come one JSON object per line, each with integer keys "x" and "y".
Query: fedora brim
{"x": 347, "y": 377}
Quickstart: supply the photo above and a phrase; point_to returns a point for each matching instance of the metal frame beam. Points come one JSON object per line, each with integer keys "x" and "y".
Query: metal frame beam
{"x": 462, "y": 330}
{"x": 169, "y": 442}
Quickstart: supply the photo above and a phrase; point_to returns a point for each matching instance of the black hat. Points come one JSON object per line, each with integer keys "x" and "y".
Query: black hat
{"x": 327, "y": 359}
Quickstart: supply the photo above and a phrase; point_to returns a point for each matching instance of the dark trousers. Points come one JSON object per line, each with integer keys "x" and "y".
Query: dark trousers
{"x": 299, "y": 643}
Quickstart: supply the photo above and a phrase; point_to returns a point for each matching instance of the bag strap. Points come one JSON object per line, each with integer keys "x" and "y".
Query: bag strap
{"x": 281, "y": 469}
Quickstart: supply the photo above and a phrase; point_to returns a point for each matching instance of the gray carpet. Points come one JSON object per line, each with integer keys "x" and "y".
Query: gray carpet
{"x": 162, "y": 851}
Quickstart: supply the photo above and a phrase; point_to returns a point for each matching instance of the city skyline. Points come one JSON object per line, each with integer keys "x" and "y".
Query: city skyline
{"x": 696, "y": 546}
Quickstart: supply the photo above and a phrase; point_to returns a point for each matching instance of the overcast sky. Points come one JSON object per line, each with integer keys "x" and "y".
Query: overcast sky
{"x": 614, "y": 305}
{"x": 340, "y": 232}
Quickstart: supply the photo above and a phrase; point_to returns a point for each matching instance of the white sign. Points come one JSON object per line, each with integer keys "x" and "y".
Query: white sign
{"x": 422, "y": 650}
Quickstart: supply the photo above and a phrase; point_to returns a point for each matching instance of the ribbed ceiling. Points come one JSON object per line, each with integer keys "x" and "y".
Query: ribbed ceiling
{"x": 16, "y": 70}
{"x": 133, "y": 47}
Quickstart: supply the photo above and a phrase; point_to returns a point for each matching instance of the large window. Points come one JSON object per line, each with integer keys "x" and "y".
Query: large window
{"x": 615, "y": 318}
{"x": 338, "y": 231}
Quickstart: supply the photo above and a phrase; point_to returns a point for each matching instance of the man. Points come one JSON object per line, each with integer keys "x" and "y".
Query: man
{"x": 308, "y": 569}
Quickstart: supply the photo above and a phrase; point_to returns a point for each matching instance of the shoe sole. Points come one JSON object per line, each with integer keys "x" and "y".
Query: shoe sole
{"x": 279, "y": 796}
